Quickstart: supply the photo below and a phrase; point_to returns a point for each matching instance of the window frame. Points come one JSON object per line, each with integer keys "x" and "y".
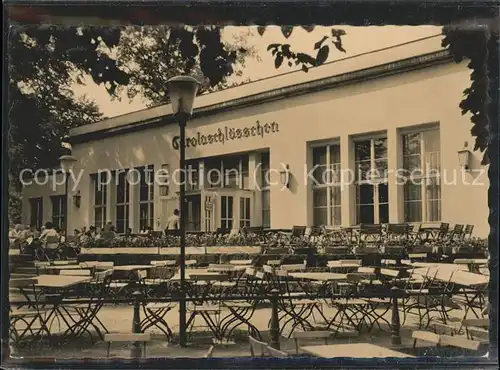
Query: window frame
{"x": 126, "y": 201}
{"x": 59, "y": 218}
{"x": 424, "y": 179}
{"x": 149, "y": 202}
{"x": 245, "y": 208}
{"x": 224, "y": 221}
{"x": 38, "y": 201}
{"x": 104, "y": 196}
{"x": 265, "y": 189}
{"x": 374, "y": 182}
{"x": 331, "y": 184}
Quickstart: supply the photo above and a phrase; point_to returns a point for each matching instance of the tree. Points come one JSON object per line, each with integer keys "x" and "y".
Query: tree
{"x": 45, "y": 62}
{"x": 151, "y": 55}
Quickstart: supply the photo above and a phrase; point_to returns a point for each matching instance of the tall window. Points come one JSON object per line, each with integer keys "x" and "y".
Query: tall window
{"x": 122, "y": 201}
{"x": 422, "y": 189}
{"x": 99, "y": 184}
{"x": 372, "y": 193}
{"x": 192, "y": 176}
{"x": 326, "y": 185}
{"x": 228, "y": 172}
{"x": 265, "y": 191}
{"x": 146, "y": 197}
{"x": 59, "y": 206}
{"x": 226, "y": 220}
{"x": 36, "y": 212}
{"x": 244, "y": 212}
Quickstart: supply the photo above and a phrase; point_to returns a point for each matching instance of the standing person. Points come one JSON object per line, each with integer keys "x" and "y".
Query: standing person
{"x": 173, "y": 223}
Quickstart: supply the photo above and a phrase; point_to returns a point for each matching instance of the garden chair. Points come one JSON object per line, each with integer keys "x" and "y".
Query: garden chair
{"x": 257, "y": 348}
{"x": 28, "y": 308}
{"x": 87, "y": 311}
{"x": 156, "y": 286}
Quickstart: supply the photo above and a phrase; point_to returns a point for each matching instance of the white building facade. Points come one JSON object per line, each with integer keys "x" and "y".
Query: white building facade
{"x": 345, "y": 132}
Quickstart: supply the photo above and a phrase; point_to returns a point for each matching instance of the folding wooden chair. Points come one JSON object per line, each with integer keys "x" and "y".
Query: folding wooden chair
{"x": 272, "y": 352}
{"x": 257, "y": 348}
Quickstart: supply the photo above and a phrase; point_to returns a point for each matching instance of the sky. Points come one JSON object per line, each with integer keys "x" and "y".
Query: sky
{"x": 357, "y": 40}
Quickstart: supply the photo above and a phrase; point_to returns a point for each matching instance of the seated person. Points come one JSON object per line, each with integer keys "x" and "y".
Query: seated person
{"x": 49, "y": 231}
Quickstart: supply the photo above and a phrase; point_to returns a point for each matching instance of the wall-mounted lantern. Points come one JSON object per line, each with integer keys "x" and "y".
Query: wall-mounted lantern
{"x": 285, "y": 176}
{"x": 77, "y": 198}
{"x": 464, "y": 157}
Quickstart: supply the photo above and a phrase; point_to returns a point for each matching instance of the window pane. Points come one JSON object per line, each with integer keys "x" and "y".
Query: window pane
{"x": 319, "y": 198}
{"x": 434, "y": 210}
{"x": 413, "y": 211}
{"x": 362, "y": 150}
{"x": 383, "y": 213}
{"x": 383, "y": 193}
{"x": 334, "y": 153}
{"x": 411, "y": 144}
{"x": 380, "y": 168}
{"x": 321, "y": 175}
{"x": 411, "y": 163}
{"x": 223, "y": 205}
{"x": 319, "y": 156}
{"x": 380, "y": 147}
{"x": 336, "y": 194}
{"x": 433, "y": 188}
{"x": 98, "y": 215}
{"x": 336, "y": 216}
{"x": 365, "y": 214}
{"x": 365, "y": 194}
{"x": 412, "y": 191}
{"x": 247, "y": 201}
{"x": 320, "y": 216}
{"x": 230, "y": 207}
{"x": 363, "y": 171}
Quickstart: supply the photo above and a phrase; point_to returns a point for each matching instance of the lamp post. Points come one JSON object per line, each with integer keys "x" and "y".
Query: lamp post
{"x": 67, "y": 163}
{"x": 182, "y": 92}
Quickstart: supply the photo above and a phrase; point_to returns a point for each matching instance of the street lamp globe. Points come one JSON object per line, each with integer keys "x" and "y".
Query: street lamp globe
{"x": 67, "y": 163}
{"x": 182, "y": 91}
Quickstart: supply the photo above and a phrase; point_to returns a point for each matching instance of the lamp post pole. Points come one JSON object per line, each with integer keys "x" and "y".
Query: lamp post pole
{"x": 66, "y": 218}
{"x": 182, "y": 224}
{"x": 182, "y": 92}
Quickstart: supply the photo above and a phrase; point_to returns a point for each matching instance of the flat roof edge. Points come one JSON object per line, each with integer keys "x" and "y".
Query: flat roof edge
{"x": 158, "y": 118}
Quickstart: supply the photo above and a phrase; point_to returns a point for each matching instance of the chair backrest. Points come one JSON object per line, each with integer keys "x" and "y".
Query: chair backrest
{"x": 208, "y": 277}
{"x": 480, "y": 323}
{"x": 468, "y": 230}
{"x": 397, "y": 229}
{"x": 163, "y": 263}
{"x": 268, "y": 269}
{"x": 253, "y": 230}
{"x": 156, "y": 234}
{"x": 52, "y": 239}
{"x": 457, "y": 229}
{"x": 316, "y": 231}
{"x": 370, "y": 229}
{"x": 275, "y": 352}
{"x": 257, "y": 348}
{"x": 82, "y": 272}
{"x": 425, "y": 336}
{"x": 459, "y": 342}
{"x": 390, "y": 273}
{"x": 22, "y": 283}
{"x": 298, "y": 231}
{"x": 297, "y": 267}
